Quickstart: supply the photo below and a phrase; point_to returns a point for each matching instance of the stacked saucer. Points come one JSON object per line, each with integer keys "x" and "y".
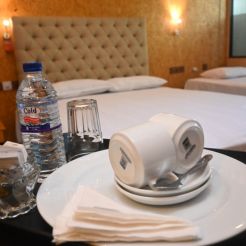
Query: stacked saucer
{"x": 192, "y": 186}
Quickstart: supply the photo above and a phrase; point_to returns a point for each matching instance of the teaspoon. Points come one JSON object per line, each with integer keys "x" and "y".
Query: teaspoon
{"x": 164, "y": 184}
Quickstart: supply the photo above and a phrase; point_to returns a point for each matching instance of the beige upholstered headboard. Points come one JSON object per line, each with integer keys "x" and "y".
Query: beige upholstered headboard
{"x": 73, "y": 47}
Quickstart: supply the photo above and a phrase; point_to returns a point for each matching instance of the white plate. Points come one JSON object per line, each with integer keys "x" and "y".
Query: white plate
{"x": 190, "y": 183}
{"x": 219, "y": 211}
{"x": 163, "y": 200}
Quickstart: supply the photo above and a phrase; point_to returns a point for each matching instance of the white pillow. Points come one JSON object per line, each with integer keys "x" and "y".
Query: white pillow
{"x": 224, "y": 72}
{"x": 135, "y": 83}
{"x": 80, "y": 87}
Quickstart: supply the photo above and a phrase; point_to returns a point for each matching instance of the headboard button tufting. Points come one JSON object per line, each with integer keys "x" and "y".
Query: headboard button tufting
{"x": 92, "y": 47}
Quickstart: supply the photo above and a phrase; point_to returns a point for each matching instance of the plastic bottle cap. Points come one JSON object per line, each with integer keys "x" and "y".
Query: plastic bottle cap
{"x": 32, "y": 67}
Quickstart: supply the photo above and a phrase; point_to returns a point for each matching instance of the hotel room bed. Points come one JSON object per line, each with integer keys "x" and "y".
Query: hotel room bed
{"x": 225, "y": 79}
{"x": 232, "y": 86}
{"x": 222, "y": 116}
{"x": 94, "y": 50}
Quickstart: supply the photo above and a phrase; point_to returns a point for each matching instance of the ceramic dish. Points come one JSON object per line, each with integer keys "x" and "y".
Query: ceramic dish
{"x": 190, "y": 183}
{"x": 218, "y": 211}
{"x": 163, "y": 200}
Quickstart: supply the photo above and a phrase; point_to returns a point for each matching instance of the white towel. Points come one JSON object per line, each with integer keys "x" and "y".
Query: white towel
{"x": 91, "y": 217}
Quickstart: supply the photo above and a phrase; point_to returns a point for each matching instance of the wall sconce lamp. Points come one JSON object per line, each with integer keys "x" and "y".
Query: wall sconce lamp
{"x": 176, "y": 21}
{"x": 6, "y": 25}
{"x": 7, "y": 42}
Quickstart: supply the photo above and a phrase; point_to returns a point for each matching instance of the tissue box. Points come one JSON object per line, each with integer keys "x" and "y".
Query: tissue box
{"x": 12, "y": 154}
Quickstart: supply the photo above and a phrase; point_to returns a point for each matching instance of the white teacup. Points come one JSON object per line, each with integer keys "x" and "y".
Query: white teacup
{"x": 187, "y": 136}
{"x": 142, "y": 153}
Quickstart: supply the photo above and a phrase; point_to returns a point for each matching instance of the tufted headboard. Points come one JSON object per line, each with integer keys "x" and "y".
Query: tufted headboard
{"x": 74, "y": 47}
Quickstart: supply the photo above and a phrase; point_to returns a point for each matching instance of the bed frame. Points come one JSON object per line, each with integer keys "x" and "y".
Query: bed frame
{"x": 73, "y": 47}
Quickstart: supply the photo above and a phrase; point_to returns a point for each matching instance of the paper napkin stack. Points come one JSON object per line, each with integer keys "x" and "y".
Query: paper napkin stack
{"x": 91, "y": 217}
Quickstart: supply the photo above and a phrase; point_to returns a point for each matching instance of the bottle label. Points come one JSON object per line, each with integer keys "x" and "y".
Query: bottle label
{"x": 41, "y": 118}
{"x": 38, "y": 128}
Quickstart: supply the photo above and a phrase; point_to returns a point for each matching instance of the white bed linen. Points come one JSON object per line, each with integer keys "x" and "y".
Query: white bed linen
{"x": 232, "y": 86}
{"x": 222, "y": 116}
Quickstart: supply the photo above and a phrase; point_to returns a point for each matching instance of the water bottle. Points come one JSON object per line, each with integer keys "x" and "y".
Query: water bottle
{"x": 39, "y": 120}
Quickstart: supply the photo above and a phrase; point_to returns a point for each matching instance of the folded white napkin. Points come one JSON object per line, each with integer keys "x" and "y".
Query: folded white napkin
{"x": 91, "y": 217}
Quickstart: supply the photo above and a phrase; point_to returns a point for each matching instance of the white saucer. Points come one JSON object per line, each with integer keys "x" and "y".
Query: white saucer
{"x": 190, "y": 183}
{"x": 163, "y": 200}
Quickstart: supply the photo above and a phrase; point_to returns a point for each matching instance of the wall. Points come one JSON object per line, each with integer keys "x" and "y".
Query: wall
{"x": 201, "y": 40}
{"x": 236, "y": 61}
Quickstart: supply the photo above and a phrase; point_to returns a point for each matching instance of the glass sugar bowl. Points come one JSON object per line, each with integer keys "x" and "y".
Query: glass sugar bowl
{"x": 17, "y": 183}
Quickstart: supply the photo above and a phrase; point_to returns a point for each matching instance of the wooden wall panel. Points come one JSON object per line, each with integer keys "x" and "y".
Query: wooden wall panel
{"x": 7, "y": 114}
{"x": 236, "y": 62}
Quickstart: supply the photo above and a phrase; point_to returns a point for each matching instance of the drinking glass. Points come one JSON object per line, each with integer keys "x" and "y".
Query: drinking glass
{"x": 84, "y": 130}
